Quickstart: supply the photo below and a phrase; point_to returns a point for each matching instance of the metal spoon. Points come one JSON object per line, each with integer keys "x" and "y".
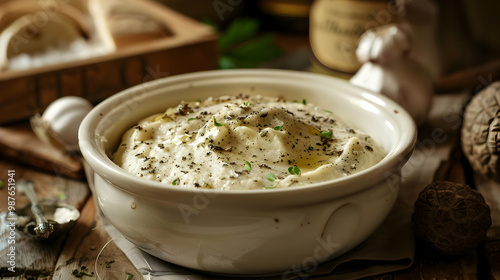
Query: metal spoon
{"x": 43, "y": 228}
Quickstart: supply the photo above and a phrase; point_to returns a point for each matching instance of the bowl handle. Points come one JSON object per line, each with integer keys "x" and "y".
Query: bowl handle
{"x": 342, "y": 226}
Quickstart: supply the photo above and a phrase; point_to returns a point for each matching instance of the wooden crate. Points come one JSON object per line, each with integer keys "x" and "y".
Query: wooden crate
{"x": 191, "y": 47}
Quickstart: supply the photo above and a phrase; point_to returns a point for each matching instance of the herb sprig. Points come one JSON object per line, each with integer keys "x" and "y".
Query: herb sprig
{"x": 241, "y": 46}
{"x": 326, "y": 134}
{"x": 294, "y": 170}
{"x": 217, "y": 123}
{"x": 271, "y": 177}
{"x": 279, "y": 127}
{"x": 248, "y": 166}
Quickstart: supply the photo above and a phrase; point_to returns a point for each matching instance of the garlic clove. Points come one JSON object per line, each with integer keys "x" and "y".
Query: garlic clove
{"x": 384, "y": 44}
{"x": 58, "y": 126}
{"x": 363, "y": 52}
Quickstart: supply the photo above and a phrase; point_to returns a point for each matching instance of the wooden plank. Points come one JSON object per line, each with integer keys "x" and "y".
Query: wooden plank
{"x": 20, "y": 144}
{"x": 18, "y": 99}
{"x": 83, "y": 247}
{"x": 47, "y": 87}
{"x": 34, "y": 258}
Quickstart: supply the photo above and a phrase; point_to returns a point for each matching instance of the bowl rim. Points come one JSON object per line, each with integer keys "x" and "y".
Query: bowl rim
{"x": 100, "y": 163}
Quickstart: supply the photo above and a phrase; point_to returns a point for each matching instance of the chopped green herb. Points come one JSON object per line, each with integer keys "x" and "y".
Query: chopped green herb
{"x": 217, "y": 124}
{"x": 271, "y": 177}
{"x": 2, "y": 184}
{"x": 197, "y": 100}
{"x": 191, "y": 119}
{"x": 248, "y": 166}
{"x": 294, "y": 170}
{"x": 328, "y": 111}
{"x": 270, "y": 187}
{"x": 326, "y": 134}
{"x": 303, "y": 101}
{"x": 247, "y": 103}
{"x": 129, "y": 275}
{"x": 175, "y": 182}
{"x": 278, "y": 127}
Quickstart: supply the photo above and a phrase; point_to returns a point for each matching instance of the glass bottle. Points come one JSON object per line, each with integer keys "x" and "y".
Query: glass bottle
{"x": 335, "y": 29}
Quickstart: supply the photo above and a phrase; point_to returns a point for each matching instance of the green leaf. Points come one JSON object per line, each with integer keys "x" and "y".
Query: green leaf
{"x": 226, "y": 62}
{"x": 294, "y": 170}
{"x": 279, "y": 127}
{"x": 247, "y": 103}
{"x": 191, "y": 119}
{"x": 241, "y": 48}
{"x": 248, "y": 166}
{"x": 238, "y": 31}
{"x": 270, "y": 187}
{"x": 326, "y": 134}
{"x": 129, "y": 275}
{"x": 258, "y": 50}
{"x": 304, "y": 101}
{"x": 217, "y": 124}
{"x": 271, "y": 177}
{"x": 329, "y": 112}
{"x": 175, "y": 182}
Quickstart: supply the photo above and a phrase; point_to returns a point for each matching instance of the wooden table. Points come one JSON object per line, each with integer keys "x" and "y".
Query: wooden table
{"x": 77, "y": 250}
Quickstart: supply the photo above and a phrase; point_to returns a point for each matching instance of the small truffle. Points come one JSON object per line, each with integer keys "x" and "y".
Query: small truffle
{"x": 450, "y": 217}
{"x": 481, "y": 132}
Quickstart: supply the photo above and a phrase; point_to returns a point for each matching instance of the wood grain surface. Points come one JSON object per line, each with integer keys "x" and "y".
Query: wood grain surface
{"x": 19, "y": 144}
{"x": 92, "y": 248}
{"x": 35, "y": 258}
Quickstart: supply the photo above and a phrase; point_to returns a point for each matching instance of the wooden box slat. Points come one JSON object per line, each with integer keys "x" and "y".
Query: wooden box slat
{"x": 192, "y": 47}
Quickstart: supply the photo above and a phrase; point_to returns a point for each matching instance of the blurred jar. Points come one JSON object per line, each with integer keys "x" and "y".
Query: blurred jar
{"x": 286, "y": 15}
{"x": 335, "y": 29}
{"x": 220, "y": 12}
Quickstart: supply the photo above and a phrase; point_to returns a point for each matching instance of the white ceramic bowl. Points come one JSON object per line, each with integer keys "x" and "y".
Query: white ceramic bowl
{"x": 255, "y": 231}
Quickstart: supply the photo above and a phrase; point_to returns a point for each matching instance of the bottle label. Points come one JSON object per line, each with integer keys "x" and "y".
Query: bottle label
{"x": 336, "y": 26}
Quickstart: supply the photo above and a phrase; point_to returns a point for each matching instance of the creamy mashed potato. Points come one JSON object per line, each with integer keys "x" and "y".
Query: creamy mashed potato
{"x": 245, "y": 142}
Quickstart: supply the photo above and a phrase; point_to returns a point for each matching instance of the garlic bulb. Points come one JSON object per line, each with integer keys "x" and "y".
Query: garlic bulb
{"x": 389, "y": 69}
{"x": 58, "y": 126}
{"x": 383, "y": 45}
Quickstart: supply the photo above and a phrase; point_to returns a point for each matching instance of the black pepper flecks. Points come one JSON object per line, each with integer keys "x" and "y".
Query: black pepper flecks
{"x": 299, "y": 147}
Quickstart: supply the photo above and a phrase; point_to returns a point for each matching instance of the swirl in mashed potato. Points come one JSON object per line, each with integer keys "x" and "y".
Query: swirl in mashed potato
{"x": 244, "y": 142}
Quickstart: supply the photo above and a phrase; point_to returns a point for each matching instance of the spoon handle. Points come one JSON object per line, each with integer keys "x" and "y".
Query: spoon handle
{"x": 43, "y": 227}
